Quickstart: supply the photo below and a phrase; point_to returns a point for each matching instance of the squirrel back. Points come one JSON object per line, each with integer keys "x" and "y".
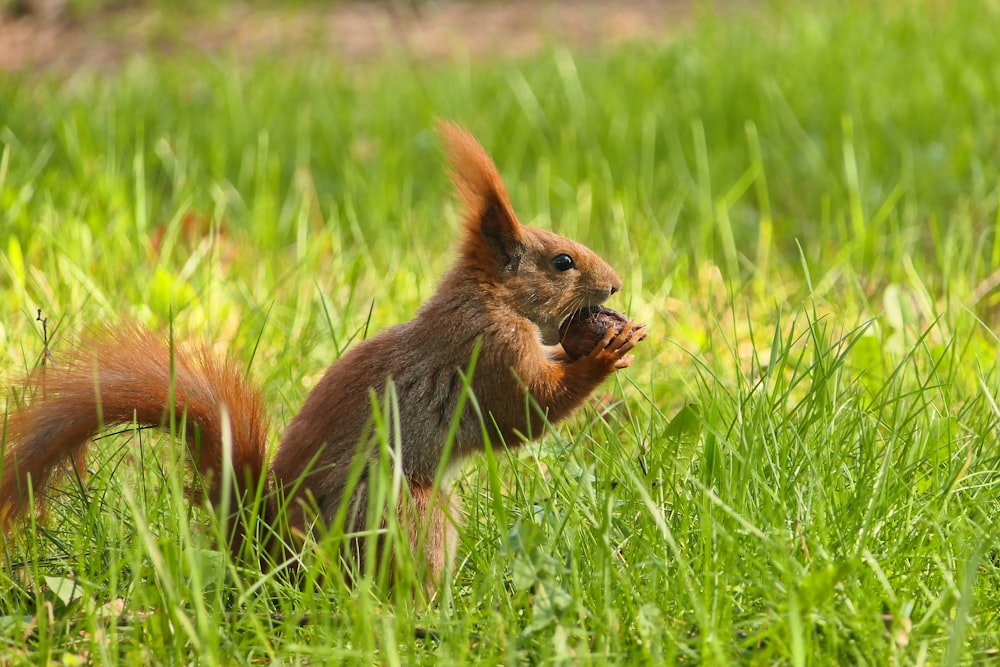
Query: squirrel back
{"x": 505, "y": 296}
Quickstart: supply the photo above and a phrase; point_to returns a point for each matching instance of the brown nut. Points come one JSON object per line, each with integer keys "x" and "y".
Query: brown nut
{"x": 585, "y": 328}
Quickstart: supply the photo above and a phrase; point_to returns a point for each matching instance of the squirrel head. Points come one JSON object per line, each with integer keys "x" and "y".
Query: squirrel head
{"x": 542, "y": 276}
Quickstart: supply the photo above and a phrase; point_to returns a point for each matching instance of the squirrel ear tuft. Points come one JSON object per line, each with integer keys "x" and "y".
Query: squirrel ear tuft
{"x": 487, "y": 209}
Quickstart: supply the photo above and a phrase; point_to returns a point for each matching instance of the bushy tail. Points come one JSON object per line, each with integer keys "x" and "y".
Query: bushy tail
{"x": 122, "y": 375}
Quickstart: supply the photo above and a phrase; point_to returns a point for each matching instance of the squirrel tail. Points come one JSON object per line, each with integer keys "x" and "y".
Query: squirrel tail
{"x": 129, "y": 375}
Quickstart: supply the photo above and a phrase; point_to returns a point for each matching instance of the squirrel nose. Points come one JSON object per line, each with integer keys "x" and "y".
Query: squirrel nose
{"x": 616, "y": 285}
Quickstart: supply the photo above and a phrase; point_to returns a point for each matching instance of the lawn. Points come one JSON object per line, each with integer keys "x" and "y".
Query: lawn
{"x": 802, "y": 467}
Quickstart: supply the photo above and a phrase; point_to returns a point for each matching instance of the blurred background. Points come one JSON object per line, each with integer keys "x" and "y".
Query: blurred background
{"x": 70, "y": 33}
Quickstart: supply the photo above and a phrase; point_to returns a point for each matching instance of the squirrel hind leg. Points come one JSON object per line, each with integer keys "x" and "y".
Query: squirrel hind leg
{"x": 431, "y": 520}
{"x": 428, "y": 519}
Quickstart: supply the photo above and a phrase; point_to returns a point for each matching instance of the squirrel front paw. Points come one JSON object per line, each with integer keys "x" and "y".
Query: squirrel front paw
{"x": 615, "y": 346}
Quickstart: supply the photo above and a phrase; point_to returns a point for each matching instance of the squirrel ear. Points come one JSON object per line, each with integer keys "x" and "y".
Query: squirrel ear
{"x": 487, "y": 209}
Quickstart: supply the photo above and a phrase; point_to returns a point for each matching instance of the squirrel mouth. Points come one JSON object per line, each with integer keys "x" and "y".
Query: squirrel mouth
{"x": 551, "y": 328}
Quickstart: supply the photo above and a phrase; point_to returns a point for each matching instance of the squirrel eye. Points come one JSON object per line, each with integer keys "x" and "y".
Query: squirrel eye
{"x": 563, "y": 262}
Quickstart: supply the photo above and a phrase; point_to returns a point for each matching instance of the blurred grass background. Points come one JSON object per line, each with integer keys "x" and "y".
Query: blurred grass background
{"x": 802, "y": 201}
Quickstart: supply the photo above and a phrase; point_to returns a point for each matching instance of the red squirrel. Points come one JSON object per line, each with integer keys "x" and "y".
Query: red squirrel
{"x": 505, "y": 296}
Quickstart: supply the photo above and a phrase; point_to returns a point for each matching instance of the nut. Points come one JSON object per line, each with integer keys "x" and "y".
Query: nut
{"x": 583, "y": 330}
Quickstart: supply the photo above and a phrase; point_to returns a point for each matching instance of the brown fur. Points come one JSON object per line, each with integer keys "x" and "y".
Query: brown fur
{"x": 503, "y": 293}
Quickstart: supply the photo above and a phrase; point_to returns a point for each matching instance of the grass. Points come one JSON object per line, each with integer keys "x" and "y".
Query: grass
{"x": 801, "y": 468}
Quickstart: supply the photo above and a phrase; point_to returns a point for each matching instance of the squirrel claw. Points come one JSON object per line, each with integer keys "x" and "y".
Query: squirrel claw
{"x": 614, "y": 346}
{"x": 624, "y": 362}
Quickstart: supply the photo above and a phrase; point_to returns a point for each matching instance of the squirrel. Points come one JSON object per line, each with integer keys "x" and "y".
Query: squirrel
{"x": 502, "y": 301}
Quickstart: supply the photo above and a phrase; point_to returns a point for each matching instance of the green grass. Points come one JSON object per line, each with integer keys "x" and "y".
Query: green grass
{"x": 801, "y": 468}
